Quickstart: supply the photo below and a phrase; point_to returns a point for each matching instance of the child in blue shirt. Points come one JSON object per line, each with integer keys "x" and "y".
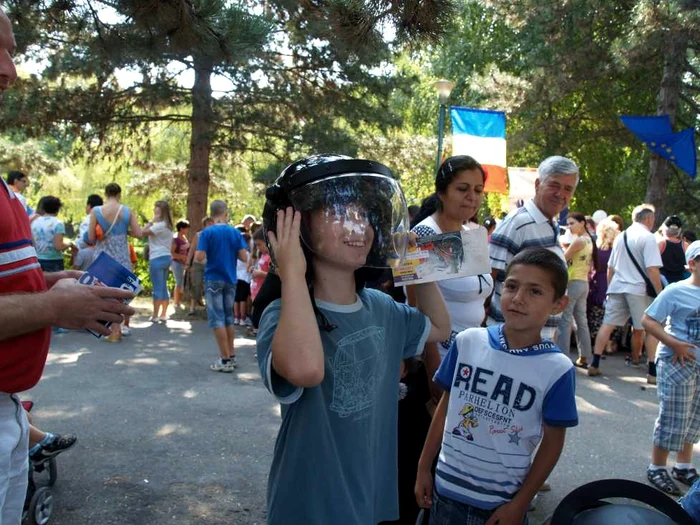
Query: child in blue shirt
{"x": 506, "y": 392}
{"x": 674, "y": 319}
{"x": 330, "y": 350}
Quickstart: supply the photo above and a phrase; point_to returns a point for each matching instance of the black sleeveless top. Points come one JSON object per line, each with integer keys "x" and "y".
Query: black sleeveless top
{"x": 673, "y": 259}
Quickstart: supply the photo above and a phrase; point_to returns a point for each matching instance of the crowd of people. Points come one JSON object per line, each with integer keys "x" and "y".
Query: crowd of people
{"x": 108, "y": 226}
{"x": 453, "y": 397}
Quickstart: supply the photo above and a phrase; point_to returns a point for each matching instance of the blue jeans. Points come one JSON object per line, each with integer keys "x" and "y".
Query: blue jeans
{"x": 220, "y": 297}
{"x": 446, "y": 511}
{"x": 158, "y": 269}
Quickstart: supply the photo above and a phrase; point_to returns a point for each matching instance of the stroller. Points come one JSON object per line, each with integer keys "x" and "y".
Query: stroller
{"x": 586, "y": 505}
{"x": 38, "y": 503}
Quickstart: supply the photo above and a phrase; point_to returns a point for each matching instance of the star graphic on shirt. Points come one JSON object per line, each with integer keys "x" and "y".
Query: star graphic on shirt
{"x": 514, "y": 438}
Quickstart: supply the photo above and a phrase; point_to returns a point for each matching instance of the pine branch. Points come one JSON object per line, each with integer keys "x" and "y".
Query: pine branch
{"x": 694, "y": 105}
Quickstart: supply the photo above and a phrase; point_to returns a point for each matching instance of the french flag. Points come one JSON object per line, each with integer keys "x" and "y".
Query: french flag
{"x": 481, "y": 134}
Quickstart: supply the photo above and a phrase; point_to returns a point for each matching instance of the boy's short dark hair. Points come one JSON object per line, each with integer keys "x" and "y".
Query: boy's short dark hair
{"x": 52, "y": 204}
{"x": 13, "y": 176}
{"x": 94, "y": 200}
{"x": 181, "y": 225}
{"x": 548, "y": 261}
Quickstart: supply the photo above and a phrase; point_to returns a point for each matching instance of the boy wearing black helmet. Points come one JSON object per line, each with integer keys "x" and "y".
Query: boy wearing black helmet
{"x": 330, "y": 350}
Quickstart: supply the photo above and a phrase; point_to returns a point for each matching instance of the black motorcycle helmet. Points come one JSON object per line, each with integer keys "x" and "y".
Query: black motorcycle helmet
{"x": 336, "y": 185}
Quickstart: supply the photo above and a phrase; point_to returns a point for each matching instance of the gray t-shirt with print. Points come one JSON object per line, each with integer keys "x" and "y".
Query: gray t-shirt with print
{"x": 335, "y": 460}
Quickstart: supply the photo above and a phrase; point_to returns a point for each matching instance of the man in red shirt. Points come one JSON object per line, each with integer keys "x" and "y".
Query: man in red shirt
{"x": 30, "y": 302}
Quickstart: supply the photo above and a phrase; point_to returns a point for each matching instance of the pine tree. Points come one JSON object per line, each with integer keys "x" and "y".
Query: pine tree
{"x": 301, "y": 73}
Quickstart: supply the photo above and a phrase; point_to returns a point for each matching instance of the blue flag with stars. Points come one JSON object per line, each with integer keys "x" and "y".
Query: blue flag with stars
{"x": 657, "y": 134}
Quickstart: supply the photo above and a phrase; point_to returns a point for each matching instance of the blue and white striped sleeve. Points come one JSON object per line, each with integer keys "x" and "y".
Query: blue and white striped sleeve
{"x": 504, "y": 245}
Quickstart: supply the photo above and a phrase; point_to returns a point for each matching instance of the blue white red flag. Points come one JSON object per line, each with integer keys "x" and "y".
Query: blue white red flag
{"x": 481, "y": 134}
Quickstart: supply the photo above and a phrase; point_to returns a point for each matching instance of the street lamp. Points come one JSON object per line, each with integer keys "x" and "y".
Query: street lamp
{"x": 443, "y": 88}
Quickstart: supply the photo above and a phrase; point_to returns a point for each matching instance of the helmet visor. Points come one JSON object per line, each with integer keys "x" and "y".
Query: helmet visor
{"x": 354, "y": 219}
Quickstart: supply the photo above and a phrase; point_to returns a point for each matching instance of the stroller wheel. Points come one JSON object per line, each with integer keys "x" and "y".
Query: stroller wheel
{"x": 40, "y": 506}
{"x": 53, "y": 471}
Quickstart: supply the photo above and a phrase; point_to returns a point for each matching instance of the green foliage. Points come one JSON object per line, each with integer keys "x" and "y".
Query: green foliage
{"x": 564, "y": 73}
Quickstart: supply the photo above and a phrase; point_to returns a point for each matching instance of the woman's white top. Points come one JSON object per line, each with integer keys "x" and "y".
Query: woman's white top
{"x": 160, "y": 241}
{"x": 463, "y": 296}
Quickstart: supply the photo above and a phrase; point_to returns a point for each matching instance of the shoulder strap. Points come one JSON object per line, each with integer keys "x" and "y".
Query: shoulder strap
{"x": 647, "y": 281}
{"x": 116, "y": 216}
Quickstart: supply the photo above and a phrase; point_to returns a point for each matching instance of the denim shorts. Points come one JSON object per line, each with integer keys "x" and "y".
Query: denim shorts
{"x": 220, "y": 297}
{"x": 52, "y": 265}
{"x": 159, "y": 268}
{"x": 179, "y": 272}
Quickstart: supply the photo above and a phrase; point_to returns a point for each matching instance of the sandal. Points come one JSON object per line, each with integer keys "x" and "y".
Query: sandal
{"x": 687, "y": 476}
{"x": 662, "y": 481}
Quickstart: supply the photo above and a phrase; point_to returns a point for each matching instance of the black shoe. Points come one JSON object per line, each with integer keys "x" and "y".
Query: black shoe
{"x": 662, "y": 481}
{"x": 687, "y": 476}
{"x": 54, "y": 447}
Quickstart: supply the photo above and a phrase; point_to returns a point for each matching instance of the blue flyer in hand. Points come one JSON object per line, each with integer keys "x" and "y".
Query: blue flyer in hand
{"x": 105, "y": 271}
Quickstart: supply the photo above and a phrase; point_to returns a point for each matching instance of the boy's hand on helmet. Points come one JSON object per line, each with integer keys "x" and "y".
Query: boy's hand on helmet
{"x": 286, "y": 245}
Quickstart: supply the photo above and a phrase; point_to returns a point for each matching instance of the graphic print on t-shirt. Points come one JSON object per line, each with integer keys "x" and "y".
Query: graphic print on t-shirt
{"x": 692, "y": 326}
{"x": 358, "y": 364}
{"x": 491, "y": 399}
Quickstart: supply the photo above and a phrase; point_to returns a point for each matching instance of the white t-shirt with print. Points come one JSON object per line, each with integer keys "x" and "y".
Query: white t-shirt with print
{"x": 500, "y": 398}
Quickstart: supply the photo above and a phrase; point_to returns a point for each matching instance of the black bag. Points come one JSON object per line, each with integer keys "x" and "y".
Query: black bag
{"x": 651, "y": 291}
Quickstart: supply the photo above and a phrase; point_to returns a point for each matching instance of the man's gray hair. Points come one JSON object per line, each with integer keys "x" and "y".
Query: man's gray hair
{"x": 555, "y": 166}
{"x": 642, "y": 211}
{"x": 217, "y": 208}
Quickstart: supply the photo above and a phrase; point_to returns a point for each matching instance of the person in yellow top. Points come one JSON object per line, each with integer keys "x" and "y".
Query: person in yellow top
{"x": 580, "y": 256}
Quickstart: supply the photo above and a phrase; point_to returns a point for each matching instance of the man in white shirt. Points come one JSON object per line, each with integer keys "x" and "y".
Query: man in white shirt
{"x": 627, "y": 291}
{"x": 17, "y": 181}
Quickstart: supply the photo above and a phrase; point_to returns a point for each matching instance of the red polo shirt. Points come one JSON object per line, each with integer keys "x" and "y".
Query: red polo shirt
{"x": 22, "y": 358}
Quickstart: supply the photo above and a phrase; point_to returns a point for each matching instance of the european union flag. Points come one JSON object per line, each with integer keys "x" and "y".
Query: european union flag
{"x": 656, "y": 133}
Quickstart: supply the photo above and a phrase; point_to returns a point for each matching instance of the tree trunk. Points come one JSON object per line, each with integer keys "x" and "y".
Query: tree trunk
{"x": 200, "y": 143}
{"x": 659, "y": 168}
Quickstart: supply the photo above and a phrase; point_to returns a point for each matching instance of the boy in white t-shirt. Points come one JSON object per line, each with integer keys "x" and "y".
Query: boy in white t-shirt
{"x": 506, "y": 392}
{"x": 674, "y": 319}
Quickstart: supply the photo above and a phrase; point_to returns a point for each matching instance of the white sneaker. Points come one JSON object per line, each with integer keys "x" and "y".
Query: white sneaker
{"x": 126, "y": 331}
{"x": 248, "y": 322}
{"x": 163, "y": 319}
{"x": 219, "y": 366}
{"x": 152, "y": 319}
{"x": 236, "y": 322}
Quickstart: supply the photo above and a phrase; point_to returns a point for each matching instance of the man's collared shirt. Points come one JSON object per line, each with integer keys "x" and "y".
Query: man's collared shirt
{"x": 526, "y": 227}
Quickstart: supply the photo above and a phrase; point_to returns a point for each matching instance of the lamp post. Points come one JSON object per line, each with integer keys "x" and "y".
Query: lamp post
{"x": 443, "y": 88}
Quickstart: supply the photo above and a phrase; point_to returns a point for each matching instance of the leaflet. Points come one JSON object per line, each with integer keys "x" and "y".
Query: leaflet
{"x": 106, "y": 271}
{"x": 445, "y": 256}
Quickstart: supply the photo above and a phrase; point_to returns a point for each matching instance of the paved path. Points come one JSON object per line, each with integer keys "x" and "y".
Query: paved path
{"x": 162, "y": 439}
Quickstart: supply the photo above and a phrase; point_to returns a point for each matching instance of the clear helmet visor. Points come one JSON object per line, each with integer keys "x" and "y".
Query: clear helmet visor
{"x": 355, "y": 219}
